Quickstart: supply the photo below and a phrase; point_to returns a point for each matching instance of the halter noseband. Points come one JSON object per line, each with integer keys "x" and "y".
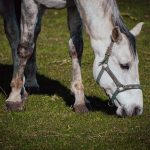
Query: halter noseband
{"x": 120, "y": 86}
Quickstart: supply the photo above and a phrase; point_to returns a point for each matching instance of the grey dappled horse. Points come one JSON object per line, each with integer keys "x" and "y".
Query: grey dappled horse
{"x": 115, "y": 66}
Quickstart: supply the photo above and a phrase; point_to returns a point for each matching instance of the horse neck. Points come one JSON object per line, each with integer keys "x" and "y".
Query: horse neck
{"x": 98, "y": 24}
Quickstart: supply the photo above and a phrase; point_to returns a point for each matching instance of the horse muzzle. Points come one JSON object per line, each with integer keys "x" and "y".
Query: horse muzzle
{"x": 132, "y": 111}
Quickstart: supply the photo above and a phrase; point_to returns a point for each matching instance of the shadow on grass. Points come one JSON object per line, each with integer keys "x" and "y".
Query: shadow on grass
{"x": 51, "y": 87}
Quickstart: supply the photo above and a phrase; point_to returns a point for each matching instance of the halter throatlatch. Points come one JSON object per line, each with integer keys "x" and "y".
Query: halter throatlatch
{"x": 120, "y": 87}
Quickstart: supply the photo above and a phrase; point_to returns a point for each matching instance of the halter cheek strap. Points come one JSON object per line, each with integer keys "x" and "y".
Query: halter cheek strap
{"x": 120, "y": 87}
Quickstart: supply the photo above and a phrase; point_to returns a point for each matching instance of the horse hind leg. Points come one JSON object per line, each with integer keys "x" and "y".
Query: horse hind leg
{"x": 15, "y": 100}
{"x": 75, "y": 50}
{"x": 31, "y": 83}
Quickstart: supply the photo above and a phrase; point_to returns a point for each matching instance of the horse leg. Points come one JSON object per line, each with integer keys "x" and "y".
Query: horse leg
{"x": 25, "y": 50}
{"x": 30, "y": 71}
{"x": 12, "y": 33}
{"x": 75, "y": 50}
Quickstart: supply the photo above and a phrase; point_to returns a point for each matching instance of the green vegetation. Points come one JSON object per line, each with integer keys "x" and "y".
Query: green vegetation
{"x": 48, "y": 121}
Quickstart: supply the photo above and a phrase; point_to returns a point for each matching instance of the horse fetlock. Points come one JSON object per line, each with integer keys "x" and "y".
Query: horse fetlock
{"x": 77, "y": 86}
{"x": 17, "y": 83}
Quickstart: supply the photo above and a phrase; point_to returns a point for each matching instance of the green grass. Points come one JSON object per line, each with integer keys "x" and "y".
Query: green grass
{"x": 48, "y": 122}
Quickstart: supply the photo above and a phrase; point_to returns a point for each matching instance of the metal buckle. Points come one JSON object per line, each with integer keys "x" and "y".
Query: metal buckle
{"x": 121, "y": 88}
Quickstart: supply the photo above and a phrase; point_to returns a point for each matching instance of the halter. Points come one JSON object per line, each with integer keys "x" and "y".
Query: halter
{"x": 120, "y": 87}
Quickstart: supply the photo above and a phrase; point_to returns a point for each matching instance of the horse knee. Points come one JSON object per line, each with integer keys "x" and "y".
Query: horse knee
{"x": 25, "y": 50}
{"x": 76, "y": 47}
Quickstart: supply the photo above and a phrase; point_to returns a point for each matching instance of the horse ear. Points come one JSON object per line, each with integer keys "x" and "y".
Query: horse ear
{"x": 116, "y": 34}
{"x": 137, "y": 29}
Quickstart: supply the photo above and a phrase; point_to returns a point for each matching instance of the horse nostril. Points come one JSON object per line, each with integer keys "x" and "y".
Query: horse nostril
{"x": 136, "y": 111}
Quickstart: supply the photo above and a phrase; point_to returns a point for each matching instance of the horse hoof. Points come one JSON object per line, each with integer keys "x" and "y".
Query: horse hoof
{"x": 14, "y": 106}
{"x": 80, "y": 108}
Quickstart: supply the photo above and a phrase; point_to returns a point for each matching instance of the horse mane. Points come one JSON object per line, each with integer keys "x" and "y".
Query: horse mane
{"x": 118, "y": 21}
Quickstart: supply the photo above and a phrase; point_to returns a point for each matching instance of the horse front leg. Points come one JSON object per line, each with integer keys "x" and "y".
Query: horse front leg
{"x": 11, "y": 27}
{"x": 29, "y": 13}
{"x": 75, "y": 50}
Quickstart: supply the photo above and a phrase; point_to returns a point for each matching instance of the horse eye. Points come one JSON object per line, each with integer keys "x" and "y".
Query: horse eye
{"x": 125, "y": 66}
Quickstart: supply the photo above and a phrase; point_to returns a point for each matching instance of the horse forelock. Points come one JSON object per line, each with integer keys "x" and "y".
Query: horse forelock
{"x": 118, "y": 21}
